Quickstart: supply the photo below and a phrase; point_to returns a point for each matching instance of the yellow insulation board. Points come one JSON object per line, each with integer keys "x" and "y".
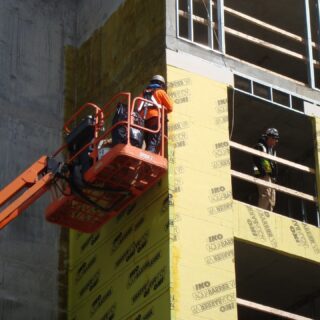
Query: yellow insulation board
{"x": 82, "y": 244}
{"x": 157, "y": 309}
{"x": 140, "y": 284}
{"x": 132, "y": 240}
{"x": 101, "y": 263}
{"x": 201, "y": 216}
{"x": 277, "y": 232}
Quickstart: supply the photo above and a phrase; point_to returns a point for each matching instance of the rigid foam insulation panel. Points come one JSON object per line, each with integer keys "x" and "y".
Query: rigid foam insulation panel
{"x": 125, "y": 265}
{"x": 84, "y": 243}
{"x": 128, "y": 241}
{"x": 145, "y": 279}
{"x": 276, "y": 231}
{"x": 155, "y": 309}
{"x": 200, "y": 202}
{"x": 116, "y": 272}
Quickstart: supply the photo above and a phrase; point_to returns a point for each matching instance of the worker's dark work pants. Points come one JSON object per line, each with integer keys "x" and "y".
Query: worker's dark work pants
{"x": 153, "y": 140}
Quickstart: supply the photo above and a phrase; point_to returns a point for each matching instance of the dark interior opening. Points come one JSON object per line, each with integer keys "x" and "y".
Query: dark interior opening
{"x": 269, "y": 278}
{"x": 249, "y": 117}
{"x": 270, "y": 34}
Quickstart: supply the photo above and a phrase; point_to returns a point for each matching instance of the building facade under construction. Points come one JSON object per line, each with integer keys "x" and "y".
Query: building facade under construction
{"x": 196, "y": 245}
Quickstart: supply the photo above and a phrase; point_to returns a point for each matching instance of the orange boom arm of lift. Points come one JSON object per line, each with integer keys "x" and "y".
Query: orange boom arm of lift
{"x": 24, "y": 190}
{"x": 99, "y": 178}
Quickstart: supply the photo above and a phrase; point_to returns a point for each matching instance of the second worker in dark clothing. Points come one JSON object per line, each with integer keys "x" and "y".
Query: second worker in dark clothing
{"x": 266, "y": 169}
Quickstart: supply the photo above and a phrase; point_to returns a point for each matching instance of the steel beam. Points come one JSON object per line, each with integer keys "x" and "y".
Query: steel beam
{"x": 311, "y": 77}
{"x": 221, "y": 33}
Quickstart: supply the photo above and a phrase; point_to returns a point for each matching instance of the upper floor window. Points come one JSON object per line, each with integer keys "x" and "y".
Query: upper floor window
{"x": 277, "y": 35}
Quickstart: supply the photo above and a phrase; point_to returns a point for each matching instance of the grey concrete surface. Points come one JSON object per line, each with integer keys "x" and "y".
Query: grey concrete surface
{"x": 92, "y": 14}
{"x": 33, "y": 34}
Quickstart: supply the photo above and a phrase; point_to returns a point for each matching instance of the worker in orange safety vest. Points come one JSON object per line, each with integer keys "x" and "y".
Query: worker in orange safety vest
{"x": 156, "y": 93}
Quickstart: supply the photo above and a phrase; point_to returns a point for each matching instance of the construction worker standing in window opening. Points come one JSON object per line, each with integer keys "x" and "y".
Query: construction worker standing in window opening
{"x": 266, "y": 169}
{"x": 155, "y": 92}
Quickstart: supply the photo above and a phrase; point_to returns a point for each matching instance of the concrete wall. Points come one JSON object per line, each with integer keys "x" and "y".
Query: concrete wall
{"x": 93, "y": 14}
{"x": 34, "y": 40}
{"x": 33, "y": 35}
{"x": 37, "y": 39}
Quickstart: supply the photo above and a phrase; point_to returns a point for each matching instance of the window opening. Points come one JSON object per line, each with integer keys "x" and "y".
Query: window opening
{"x": 296, "y": 191}
{"x": 267, "y": 92}
{"x": 267, "y": 282}
{"x": 259, "y": 34}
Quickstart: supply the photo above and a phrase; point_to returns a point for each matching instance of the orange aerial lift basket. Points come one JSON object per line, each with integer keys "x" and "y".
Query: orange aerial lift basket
{"x": 105, "y": 168}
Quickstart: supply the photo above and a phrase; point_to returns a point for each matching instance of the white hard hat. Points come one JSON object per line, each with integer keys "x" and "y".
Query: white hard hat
{"x": 159, "y": 78}
{"x": 272, "y": 132}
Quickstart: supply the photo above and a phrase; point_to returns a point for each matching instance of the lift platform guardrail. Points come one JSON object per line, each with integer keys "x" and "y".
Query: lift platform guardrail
{"x": 89, "y": 187}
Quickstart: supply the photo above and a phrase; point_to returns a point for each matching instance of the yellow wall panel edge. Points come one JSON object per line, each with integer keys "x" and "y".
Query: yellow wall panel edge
{"x": 277, "y": 232}
{"x": 201, "y": 218}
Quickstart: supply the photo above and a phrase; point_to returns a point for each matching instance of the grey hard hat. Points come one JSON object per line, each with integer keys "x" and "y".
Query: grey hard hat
{"x": 159, "y": 78}
{"x": 272, "y": 132}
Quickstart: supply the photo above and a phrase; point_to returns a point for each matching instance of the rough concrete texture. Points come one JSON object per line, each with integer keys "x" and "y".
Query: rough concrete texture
{"x": 33, "y": 35}
{"x": 93, "y": 14}
{"x": 109, "y": 61}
